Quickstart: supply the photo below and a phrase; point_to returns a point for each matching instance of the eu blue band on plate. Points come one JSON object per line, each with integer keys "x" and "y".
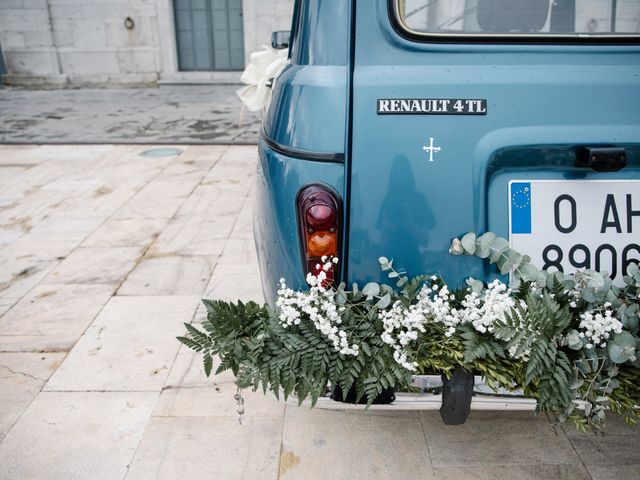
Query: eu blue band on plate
{"x": 520, "y": 207}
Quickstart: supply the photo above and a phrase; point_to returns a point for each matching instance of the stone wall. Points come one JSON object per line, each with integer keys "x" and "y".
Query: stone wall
{"x": 79, "y": 42}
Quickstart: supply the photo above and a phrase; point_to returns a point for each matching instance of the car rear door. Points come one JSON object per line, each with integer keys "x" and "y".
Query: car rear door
{"x": 454, "y": 133}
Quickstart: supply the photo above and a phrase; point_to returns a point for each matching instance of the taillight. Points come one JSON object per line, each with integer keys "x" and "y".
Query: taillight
{"x": 319, "y": 222}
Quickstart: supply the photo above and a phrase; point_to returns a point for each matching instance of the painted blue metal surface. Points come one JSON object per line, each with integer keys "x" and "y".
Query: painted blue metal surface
{"x": 309, "y": 104}
{"x": 308, "y": 108}
{"x": 308, "y": 112}
{"x": 280, "y": 178}
{"x": 539, "y": 96}
{"x": 543, "y": 102}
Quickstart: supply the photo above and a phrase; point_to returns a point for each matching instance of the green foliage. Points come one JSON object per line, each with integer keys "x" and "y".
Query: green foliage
{"x": 478, "y": 346}
{"x": 496, "y": 249}
{"x": 251, "y": 342}
{"x": 531, "y": 332}
{"x": 537, "y": 346}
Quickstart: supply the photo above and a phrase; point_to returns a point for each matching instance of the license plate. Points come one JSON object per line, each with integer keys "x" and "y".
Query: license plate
{"x": 568, "y": 225}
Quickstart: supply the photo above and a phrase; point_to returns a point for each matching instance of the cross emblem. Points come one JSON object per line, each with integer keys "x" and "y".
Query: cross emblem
{"x": 431, "y": 149}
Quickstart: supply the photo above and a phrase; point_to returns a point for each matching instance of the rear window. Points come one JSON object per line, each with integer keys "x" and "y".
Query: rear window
{"x": 526, "y": 18}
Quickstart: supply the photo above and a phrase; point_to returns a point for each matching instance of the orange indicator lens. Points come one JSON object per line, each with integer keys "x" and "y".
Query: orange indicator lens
{"x": 322, "y": 243}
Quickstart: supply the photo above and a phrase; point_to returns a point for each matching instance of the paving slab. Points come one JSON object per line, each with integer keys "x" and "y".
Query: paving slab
{"x": 169, "y": 275}
{"x": 194, "y": 235}
{"x": 22, "y": 375}
{"x": 157, "y": 199}
{"x": 190, "y": 167}
{"x": 334, "y": 444}
{"x": 51, "y": 317}
{"x": 496, "y": 438}
{"x": 232, "y": 287}
{"x": 87, "y": 265}
{"x": 9, "y": 235}
{"x": 47, "y": 246}
{"x": 614, "y": 472}
{"x": 240, "y": 251}
{"x": 129, "y": 347}
{"x": 608, "y": 450}
{"x": 126, "y": 233}
{"x": 213, "y": 201}
{"x": 19, "y": 273}
{"x": 79, "y": 435}
{"x": 513, "y": 472}
{"x": 189, "y": 393}
{"x": 209, "y": 448}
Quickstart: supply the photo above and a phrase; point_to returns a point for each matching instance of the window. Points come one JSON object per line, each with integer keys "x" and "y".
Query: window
{"x": 538, "y": 18}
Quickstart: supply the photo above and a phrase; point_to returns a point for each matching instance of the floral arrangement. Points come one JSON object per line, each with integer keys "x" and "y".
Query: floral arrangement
{"x": 569, "y": 341}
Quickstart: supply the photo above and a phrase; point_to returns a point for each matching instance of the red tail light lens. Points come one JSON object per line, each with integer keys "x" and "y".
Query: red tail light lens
{"x": 321, "y": 216}
{"x": 319, "y": 223}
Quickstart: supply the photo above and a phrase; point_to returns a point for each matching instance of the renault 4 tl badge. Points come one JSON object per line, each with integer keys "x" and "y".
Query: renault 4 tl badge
{"x": 431, "y": 106}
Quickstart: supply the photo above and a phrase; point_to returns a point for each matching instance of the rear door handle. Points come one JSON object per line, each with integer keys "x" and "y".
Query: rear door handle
{"x": 601, "y": 159}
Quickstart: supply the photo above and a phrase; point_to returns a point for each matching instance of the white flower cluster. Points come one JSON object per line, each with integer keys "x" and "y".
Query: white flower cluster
{"x": 597, "y": 328}
{"x": 401, "y": 327}
{"x": 483, "y": 310}
{"x": 402, "y": 324}
{"x": 318, "y": 305}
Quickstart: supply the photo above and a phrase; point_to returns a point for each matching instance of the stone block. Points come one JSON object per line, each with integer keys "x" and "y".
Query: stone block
{"x": 89, "y": 34}
{"x": 137, "y": 60}
{"x": 10, "y": 40}
{"x": 31, "y": 62}
{"x": 38, "y": 39}
{"x": 133, "y": 79}
{"x": 76, "y": 62}
{"x": 89, "y": 79}
{"x": 27, "y": 19}
{"x": 65, "y": 11}
{"x": 62, "y": 25}
{"x": 34, "y": 3}
{"x": 35, "y": 81}
{"x": 63, "y": 38}
{"x": 7, "y": 4}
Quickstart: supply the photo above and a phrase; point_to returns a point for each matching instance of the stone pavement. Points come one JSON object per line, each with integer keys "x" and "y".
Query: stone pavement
{"x": 104, "y": 254}
{"x": 185, "y": 114}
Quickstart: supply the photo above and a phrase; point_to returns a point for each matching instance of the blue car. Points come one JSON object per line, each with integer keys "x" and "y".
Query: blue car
{"x": 398, "y": 125}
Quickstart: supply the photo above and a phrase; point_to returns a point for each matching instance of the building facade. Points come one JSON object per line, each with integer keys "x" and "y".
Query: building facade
{"x": 134, "y": 42}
